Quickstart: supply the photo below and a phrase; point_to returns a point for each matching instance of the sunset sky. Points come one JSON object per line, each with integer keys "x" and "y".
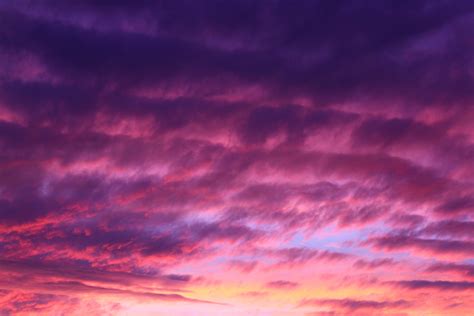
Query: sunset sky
{"x": 225, "y": 157}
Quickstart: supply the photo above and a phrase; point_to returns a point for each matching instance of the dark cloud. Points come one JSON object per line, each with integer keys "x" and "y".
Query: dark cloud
{"x": 457, "y": 205}
{"x": 451, "y": 228}
{"x": 374, "y": 264}
{"x": 406, "y": 220}
{"x": 462, "y": 269}
{"x": 73, "y": 270}
{"x": 363, "y": 215}
{"x": 69, "y": 278}
{"x": 439, "y": 285}
{"x": 294, "y": 122}
{"x": 367, "y": 54}
{"x": 382, "y": 132}
{"x": 437, "y": 246}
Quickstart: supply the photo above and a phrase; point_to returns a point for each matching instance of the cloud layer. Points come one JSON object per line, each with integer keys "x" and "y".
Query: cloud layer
{"x": 230, "y": 157}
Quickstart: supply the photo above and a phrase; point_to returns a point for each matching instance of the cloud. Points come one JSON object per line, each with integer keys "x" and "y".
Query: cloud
{"x": 466, "y": 270}
{"x": 333, "y": 74}
{"x": 457, "y": 205}
{"x": 17, "y": 303}
{"x": 354, "y": 305}
{"x": 146, "y": 143}
{"x": 300, "y": 255}
{"x": 451, "y": 228}
{"x": 374, "y": 264}
{"x": 438, "y": 285}
{"x": 254, "y": 294}
{"x": 382, "y": 132}
{"x": 281, "y": 284}
{"x": 436, "y": 246}
{"x": 71, "y": 270}
{"x": 72, "y": 287}
{"x": 56, "y": 278}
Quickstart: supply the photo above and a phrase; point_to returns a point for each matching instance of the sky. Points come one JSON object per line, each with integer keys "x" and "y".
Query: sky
{"x": 237, "y": 157}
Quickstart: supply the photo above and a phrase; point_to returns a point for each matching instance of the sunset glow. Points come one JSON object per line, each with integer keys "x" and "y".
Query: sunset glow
{"x": 236, "y": 157}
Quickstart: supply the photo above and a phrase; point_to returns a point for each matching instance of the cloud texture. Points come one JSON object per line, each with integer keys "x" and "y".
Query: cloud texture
{"x": 236, "y": 157}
